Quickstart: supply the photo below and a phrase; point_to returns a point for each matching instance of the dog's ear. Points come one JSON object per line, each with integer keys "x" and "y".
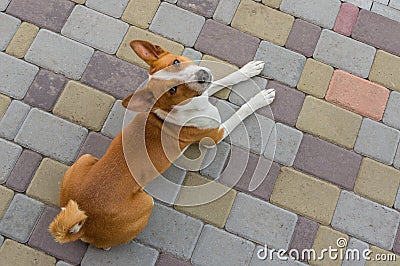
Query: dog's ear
{"x": 139, "y": 101}
{"x": 147, "y": 51}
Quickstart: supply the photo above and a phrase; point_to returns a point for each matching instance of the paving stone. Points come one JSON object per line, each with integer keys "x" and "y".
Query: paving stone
{"x": 329, "y": 122}
{"x": 397, "y": 202}
{"x": 113, "y": 75}
{"x": 16, "y": 77}
{"x": 20, "y": 218}
{"x": 208, "y": 251}
{"x": 51, "y": 136}
{"x": 386, "y": 11}
{"x": 22, "y": 39}
{"x": 46, "y": 182}
{"x": 126, "y": 53}
{"x": 168, "y": 260}
{"x": 250, "y": 18}
{"x": 83, "y": 105}
{"x": 378, "y": 31}
{"x": 4, "y": 4}
{"x": 114, "y": 121}
{"x": 383, "y": 70}
{"x": 395, "y": 4}
{"x": 346, "y": 19}
{"x": 354, "y": 213}
{"x": 177, "y": 24}
{"x": 1, "y": 240}
{"x": 45, "y": 89}
{"x": 63, "y": 263}
{"x": 396, "y": 162}
{"x": 41, "y": 239}
{"x": 214, "y": 160}
{"x": 272, "y": 3}
{"x": 128, "y": 254}
{"x": 315, "y": 78}
{"x": 271, "y": 259}
{"x": 215, "y": 212}
{"x": 355, "y": 244}
{"x": 396, "y": 245}
{"x": 12, "y": 252}
{"x": 280, "y": 64}
{"x": 23, "y": 171}
{"x": 112, "y": 8}
{"x": 9, "y": 26}
{"x": 6, "y": 196}
{"x": 13, "y": 119}
{"x": 304, "y": 234}
{"x": 95, "y": 144}
{"x": 79, "y": 1}
{"x": 385, "y": 2}
{"x": 244, "y": 91}
{"x": 334, "y": 49}
{"x": 171, "y": 231}
{"x": 375, "y": 251}
{"x": 225, "y": 11}
{"x": 84, "y": 24}
{"x": 364, "y": 4}
{"x": 4, "y": 103}
{"x": 192, "y": 54}
{"x": 59, "y": 54}
{"x": 171, "y": 1}
{"x": 377, "y": 141}
{"x": 303, "y": 37}
{"x": 204, "y": 8}
{"x": 140, "y": 13}
{"x": 261, "y": 222}
{"x": 322, "y": 13}
{"x": 220, "y": 40}
{"x": 9, "y": 154}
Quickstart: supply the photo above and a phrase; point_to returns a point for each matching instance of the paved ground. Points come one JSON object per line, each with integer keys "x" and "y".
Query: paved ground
{"x": 65, "y": 66}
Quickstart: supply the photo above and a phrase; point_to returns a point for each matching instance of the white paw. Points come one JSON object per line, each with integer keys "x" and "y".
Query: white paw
{"x": 261, "y": 99}
{"x": 252, "y": 68}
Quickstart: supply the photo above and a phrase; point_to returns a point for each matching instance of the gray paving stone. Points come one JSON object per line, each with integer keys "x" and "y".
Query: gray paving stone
{"x": 283, "y": 144}
{"x": 214, "y": 160}
{"x": 84, "y": 25}
{"x": 391, "y": 116}
{"x": 345, "y": 53}
{"x": 9, "y": 154}
{"x": 261, "y": 222}
{"x": 280, "y": 64}
{"x": 244, "y": 91}
{"x": 354, "y": 214}
{"x": 4, "y": 4}
{"x": 51, "y": 136}
{"x": 192, "y": 54}
{"x": 13, "y": 119}
{"x": 397, "y": 202}
{"x": 20, "y": 218}
{"x": 396, "y": 162}
{"x": 129, "y": 254}
{"x": 320, "y": 12}
{"x": 8, "y": 27}
{"x": 395, "y": 4}
{"x": 1, "y": 240}
{"x": 365, "y": 4}
{"x": 225, "y": 11}
{"x": 177, "y": 24}
{"x": 170, "y": 1}
{"x": 355, "y": 244}
{"x": 16, "y": 77}
{"x": 171, "y": 231}
{"x": 267, "y": 261}
{"x": 217, "y": 247}
{"x": 386, "y": 11}
{"x": 63, "y": 263}
{"x": 113, "y": 8}
{"x": 59, "y": 54}
{"x": 377, "y": 141}
{"x": 114, "y": 121}
{"x": 168, "y": 260}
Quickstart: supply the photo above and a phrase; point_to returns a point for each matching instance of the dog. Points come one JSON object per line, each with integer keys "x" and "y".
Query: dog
{"x": 103, "y": 201}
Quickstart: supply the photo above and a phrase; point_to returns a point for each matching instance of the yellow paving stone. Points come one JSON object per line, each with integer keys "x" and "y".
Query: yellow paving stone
{"x": 4, "y": 103}
{"x": 215, "y": 212}
{"x": 134, "y": 33}
{"x": 381, "y": 257}
{"x": 140, "y": 13}
{"x": 262, "y": 21}
{"x": 385, "y": 70}
{"x": 272, "y": 3}
{"x": 327, "y": 237}
{"x": 22, "y": 39}
{"x": 84, "y": 105}
{"x": 315, "y": 78}
{"x": 377, "y": 182}
{"x": 6, "y": 196}
{"x": 45, "y": 185}
{"x": 15, "y": 254}
{"x": 305, "y": 195}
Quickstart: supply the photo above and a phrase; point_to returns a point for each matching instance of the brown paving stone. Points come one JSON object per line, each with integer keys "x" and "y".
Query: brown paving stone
{"x": 375, "y": 251}
{"x": 140, "y": 12}
{"x": 4, "y": 103}
{"x": 6, "y": 195}
{"x": 304, "y": 234}
{"x": 272, "y": 3}
{"x": 227, "y": 43}
{"x": 204, "y": 8}
{"x": 303, "y": 37}
{"x": 385, "y": 70}
{"x": 315, "y": 78}
{"x": 168, "y": 260}
{"x": 95, "y": 144}
{"x": 49, "y": 14}
{"x": 346, "y": 19}
{"x": 22, "y": 39}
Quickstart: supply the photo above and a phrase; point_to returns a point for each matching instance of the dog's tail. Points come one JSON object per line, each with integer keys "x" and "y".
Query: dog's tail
{"x": 66, "y": 226}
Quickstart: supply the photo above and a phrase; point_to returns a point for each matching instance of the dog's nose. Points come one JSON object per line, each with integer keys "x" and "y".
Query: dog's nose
{"x": 203, "y": 76}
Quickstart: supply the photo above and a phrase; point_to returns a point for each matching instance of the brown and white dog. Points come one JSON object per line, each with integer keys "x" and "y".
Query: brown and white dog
{"x": 102, "y": 200}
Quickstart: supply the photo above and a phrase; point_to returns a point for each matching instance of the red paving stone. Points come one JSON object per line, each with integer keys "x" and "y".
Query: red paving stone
{"x": 346, "y": 19}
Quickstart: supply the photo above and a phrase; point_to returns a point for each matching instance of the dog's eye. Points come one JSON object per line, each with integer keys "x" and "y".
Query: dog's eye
{"x": 173, "y": 90}
{"x": 176, "y": 62}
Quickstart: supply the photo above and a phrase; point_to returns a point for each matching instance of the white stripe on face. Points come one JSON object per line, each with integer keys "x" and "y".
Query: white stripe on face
{"x": 187, "y": 74}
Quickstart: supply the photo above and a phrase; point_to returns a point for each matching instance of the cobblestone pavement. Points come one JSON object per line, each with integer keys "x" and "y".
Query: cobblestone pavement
{"x": 65, "y": 66}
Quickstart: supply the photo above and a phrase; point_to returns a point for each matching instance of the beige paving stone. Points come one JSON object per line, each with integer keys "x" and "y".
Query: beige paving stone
{"x": 45, "y": 185}
{"x": 272, "y": 3}
{"x": 84, "y": 105}
{"x": 6, "y": 195}
{"x": 262, "y": 21}
{"x": 22, "y": 39}
{"x": 134, "y": 33}
{"x": 329, "y": 122}
{"x": 215, "y": 212}
{"x": 385, "y": 70}
{"x": 305, "y": 195}
{"x": 4, "y": 103}
{"x": 140, "y": 13}
{"x": 377, "y": 182}
{"x": 315, "y": 78}
{"x": 327, "y": 237}
{"x": 15, "y": 254}
{"x": 380, "y": 257}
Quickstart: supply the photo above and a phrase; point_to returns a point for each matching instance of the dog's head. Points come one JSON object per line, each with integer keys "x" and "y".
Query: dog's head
{"x": 173, "y": 79}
